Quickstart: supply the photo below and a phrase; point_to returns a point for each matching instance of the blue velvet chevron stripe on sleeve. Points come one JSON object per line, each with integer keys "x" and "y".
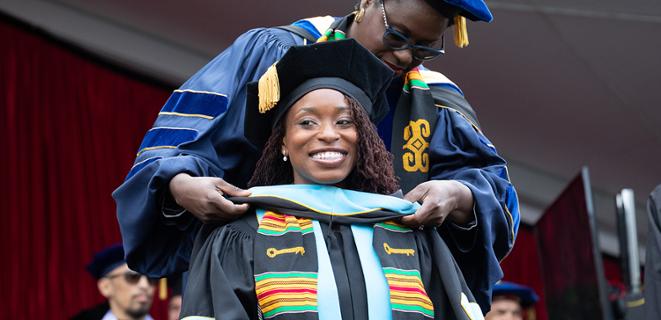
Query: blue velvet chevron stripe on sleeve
{"x": 199, "y": 131}
{"x": 185, "y": 115}
{"x": 188, "y": 103}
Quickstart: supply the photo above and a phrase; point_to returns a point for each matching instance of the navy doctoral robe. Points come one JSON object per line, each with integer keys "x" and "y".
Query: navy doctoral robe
{"x": 200, "y": 130}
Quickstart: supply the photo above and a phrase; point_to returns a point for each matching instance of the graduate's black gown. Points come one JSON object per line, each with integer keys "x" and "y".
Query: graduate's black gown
{"x": 221, "y": 283}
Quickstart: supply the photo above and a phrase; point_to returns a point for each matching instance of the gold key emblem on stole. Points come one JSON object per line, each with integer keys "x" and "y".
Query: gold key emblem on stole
{"x": 273, "y": 252}
{"x": 391, "y": 250}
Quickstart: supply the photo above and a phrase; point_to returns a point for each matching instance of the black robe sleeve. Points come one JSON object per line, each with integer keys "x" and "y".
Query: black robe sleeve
{"x": 221, "y": 282}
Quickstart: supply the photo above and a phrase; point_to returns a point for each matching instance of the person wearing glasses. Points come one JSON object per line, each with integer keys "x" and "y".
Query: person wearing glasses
{"x": 323, "y": 238}
{"x": 196, "y": 155}
{"x": 129, "y": 294}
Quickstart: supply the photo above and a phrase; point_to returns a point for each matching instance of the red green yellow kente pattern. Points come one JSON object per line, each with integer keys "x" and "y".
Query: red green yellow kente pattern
{"x": 407, "y": 294}
{"x": 275, "y": 224}
{"x": 286, "y": 292}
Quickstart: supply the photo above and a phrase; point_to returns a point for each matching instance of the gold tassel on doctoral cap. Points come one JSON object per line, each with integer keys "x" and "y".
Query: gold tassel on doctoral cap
{"x": 269, "y": 89}
{"x": 163, "y": 289}
{"x": 460, "y": 32}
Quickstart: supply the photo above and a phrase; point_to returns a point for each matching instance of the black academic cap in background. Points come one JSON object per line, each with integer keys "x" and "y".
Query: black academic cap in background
{"x": 106, "y": 260}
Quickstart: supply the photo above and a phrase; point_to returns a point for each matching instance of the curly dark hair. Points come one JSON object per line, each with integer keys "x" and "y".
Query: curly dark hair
{"x": 373, "y": 171}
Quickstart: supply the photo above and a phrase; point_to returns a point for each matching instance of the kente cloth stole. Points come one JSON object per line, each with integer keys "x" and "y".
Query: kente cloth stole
{"x": 286, "y": 271}
{"x": 414, "y": 121}
{"x": 294, "y": 277}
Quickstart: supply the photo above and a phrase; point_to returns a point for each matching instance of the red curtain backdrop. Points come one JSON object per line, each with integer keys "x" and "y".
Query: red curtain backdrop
{"x": 69, "y": 130}
{"x": 522, "y": 266}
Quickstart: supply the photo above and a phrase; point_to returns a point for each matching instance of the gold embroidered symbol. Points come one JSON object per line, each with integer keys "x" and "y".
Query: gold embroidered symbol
{"x": 414, "y": 134}
{"x": 390, "y": 250}
{"x": 273, "y": 252}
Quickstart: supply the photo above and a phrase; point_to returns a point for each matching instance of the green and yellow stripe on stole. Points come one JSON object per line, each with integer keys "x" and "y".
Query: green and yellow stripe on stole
{"x": 407, "y": 293}
{"x": 414, "y": 80}
{"x": 275, "y": 224}
{"x": 286, "y": 292}
{"x": 393, "y": 226}
{"x": 332, "y": 35}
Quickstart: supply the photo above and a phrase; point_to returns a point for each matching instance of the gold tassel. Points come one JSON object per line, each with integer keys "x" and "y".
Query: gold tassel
{"x": 163, "y": 289}
{"x": 269, "y": 89}
{"x": 460, "y": 32}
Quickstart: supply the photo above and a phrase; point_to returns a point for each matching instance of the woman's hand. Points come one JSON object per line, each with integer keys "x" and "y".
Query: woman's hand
{"x": 440, "y": 199}
{"x": 203, "y": 197}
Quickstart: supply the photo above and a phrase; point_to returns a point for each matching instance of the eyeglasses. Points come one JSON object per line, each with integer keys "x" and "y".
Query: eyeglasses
{"x": 132, "y": 277}
{"x": 396, "y": 40}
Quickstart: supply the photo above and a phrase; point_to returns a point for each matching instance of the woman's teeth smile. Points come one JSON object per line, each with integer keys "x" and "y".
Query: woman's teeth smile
{"x": 328, "y": 155}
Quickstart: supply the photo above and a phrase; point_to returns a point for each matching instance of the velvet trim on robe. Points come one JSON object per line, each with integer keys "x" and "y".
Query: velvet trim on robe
{"x": 209, "y": 108}
{"x": 210, "y": 104}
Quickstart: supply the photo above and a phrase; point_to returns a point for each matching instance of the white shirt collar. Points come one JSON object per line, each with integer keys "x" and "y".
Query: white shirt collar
{"x": 110, "y": 316}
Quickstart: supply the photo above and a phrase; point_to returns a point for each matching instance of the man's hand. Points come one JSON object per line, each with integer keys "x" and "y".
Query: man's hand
{"x": 203, "y": 197}
{"x": 440, "y": 199}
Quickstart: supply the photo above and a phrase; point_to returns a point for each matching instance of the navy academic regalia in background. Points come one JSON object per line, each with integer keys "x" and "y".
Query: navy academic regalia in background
{"x": 103, "y": 262}
{"x": 512, "y": 301}
{"x": 200, "y": 131}
{"x": 526, "y": 296}
{"x": 102, "y": 265}
{"x": 106, "y": 260}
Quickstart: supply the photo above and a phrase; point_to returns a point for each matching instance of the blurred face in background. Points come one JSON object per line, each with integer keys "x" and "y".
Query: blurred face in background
{"x": 174, "y": 307}
{"x": 129, "y": 294}
{"x": 505, "y": 308}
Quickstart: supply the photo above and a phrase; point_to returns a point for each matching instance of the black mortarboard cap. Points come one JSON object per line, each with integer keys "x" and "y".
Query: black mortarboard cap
{"x": 342, "y": 65}
{"x": 106, "y": 260}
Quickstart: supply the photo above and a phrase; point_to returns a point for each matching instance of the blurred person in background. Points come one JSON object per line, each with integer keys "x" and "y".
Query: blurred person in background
{"x": 174, "y": 303}
{"x": 129, "y": 294}
{"x": 512, "y": 301}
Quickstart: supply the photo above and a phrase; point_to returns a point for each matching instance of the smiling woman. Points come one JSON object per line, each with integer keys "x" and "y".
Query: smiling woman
{"x": 321, "y": 131}
{"x": 329, "y": 140}
{"x": 319, "y": 245}
{"x": 320, "y": 138}
{"x": 440, "y": 156}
